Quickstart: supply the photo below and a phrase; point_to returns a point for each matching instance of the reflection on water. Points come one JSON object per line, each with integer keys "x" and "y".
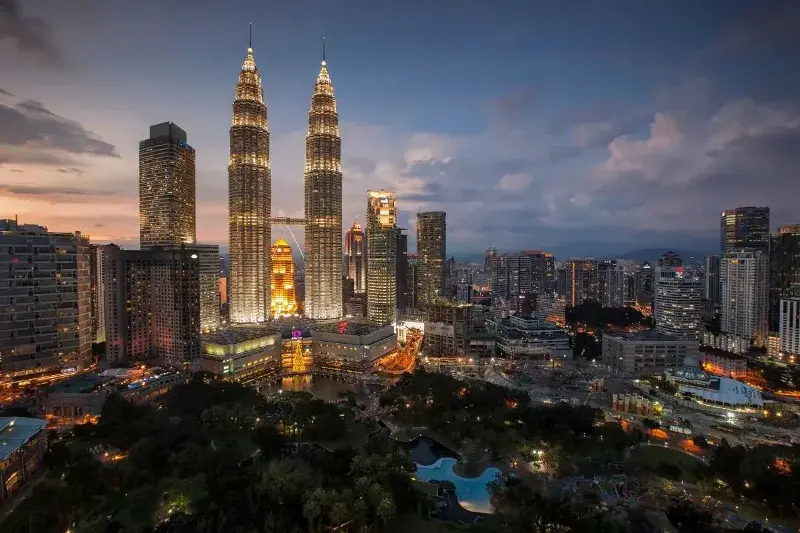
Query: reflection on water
{"x": 323, "y": 387}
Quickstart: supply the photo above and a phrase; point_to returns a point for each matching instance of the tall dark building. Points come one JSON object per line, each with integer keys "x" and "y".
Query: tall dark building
{"x": 713, "y": 280}
{"x": 432, "y": 252}
{"x": 355, "y": 257}
{"x": 744, "y": 228}
{"x": 402, "y": 270}
{"x": 166, "y": 187}
{"x": 784, "y": 270}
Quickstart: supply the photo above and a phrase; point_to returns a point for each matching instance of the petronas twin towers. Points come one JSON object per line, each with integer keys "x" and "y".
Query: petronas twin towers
{"x": 250, "y": 201}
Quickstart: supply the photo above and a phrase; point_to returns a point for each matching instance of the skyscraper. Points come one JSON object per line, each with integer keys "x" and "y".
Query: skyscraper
{"x": 744, "y": 228}
{"x": 676, "y": 302}
{"x": 745, "y": 296}
{"x": 712, "y": 280}
{"x": 382, "y": 241}
{"x": 282, "y": 280}
{"x": 611, "y": 283}
{"x": 249, "y": 199}
{"x": 323, "y": 203}
{"x": 784, "y": 270}
{"x": 166, "y": 187}
{"x": 582, "y": 283}
{"x": 45, "y": 290}
{"x": 402, "y": 270}
{"x": 432, "y": 252}
{"x": 355, "y": 257}
{"x": 98, "y": 293}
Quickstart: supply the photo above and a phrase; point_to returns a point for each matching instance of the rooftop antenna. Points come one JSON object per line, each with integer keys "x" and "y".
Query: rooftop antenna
{"x": 250, "y": 44}
{"x": 323, "y": 51}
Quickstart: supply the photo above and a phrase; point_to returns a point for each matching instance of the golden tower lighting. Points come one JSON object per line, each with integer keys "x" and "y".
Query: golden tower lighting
{"x": 282, "y": 280}
{"x": 249, "y": 198}
{"x": 323, "y": 203}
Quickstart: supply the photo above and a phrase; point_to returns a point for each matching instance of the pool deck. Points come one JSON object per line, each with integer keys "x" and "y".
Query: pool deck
{"x": 472, "y": 493}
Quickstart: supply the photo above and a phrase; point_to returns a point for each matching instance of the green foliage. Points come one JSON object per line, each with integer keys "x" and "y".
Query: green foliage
{"x": 594, "y": 316}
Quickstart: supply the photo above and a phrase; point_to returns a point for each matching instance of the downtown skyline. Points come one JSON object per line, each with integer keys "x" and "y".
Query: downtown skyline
{"x": 671, "y": 135}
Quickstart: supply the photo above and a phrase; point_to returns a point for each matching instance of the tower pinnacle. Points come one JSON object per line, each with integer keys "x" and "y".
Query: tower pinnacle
{"x": 323, "y": 52}
{"x": 250, "y": 43}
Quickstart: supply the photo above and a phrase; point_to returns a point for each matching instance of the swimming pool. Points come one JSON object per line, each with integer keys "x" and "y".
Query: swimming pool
{"x": 472, "y": 492}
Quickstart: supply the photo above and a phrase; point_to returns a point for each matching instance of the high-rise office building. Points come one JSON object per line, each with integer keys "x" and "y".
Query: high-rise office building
{"x": 713, "y": 279}
{"x": 431, "y": 252}
{"x": 355, "y": 257}
{"x": 498, "y": 274}
{"x": 127, "y": 304}
{"x": 744, "y": 228}
{"x": 382, "y": 241}
{"x": 45, "y": 300}
{"x": 98, "y": 293}
{"x": 789, "y": 326}
{"x": 744, "y": 296}
{"x": 249, "y": 199}
{"x": 402, "y": 270}
{"x": 582, "y": 282}
{"x": 323, "y": 203}
{"x": 284, "y": 301}
{"x": 166, "y": 187}
{"x": 676, "y": 301}
{"x": 412, "y": 279}
{"x": 784, "y": 270}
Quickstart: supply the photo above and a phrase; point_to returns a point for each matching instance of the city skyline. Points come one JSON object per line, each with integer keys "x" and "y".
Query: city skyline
{"x": 638, "y": 147}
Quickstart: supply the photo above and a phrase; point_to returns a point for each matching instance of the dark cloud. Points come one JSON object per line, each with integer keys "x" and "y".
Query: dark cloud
{"x": 5, "y": 92}
{"x": 31, "y": 126}
{"x": 69, "y": 170}
{"x": 28, "y": 34}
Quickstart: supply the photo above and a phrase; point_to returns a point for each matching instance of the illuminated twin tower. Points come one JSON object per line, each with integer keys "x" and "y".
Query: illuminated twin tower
{"x": 250, "y": 198}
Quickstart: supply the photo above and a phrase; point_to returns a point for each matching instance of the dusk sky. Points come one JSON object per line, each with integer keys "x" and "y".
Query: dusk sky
{"x": 584, "y": 128}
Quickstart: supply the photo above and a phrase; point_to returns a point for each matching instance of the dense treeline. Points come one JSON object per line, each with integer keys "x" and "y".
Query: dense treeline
{"x": 593, "y": 315}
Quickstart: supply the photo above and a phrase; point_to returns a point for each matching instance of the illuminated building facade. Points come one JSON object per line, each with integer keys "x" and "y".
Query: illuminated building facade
{"x": 355, "y": 257}
{"x": 282, "y": 280}
{"x": 744, "y": 228}
{"x": 745, "y": 296}
{"x": 208, "y": 262}
{"x": 581, "y": 281}
{"x": 242, "y": 353}
{"x": 382, "y": 241}
{"x": 98, "y": 293}
{"x": 45, "y": 300}
{"x": 249, "y": 199}
{"x": 323, "y": 204}
{"x": 432, "y": 253}
{"x": 448, "y": 328}
{"x": 676, "y": 302}
{"x": 166, "y": 187}
{"x": 789, "y": 327}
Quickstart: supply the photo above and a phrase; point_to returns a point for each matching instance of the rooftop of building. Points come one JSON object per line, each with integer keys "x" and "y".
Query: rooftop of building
{"x": 16, "y": 431}
{"x": 444, "y": 302}
{"x": 720, "y": 353}
{"x": 237, "y": 334}
{"x": 349, "y": 328}
{"x": 77, "y": 384}
{"x": 646, "y": 335}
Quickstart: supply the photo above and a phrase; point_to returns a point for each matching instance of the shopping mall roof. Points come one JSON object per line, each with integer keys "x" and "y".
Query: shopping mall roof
{"x": 237, "y": 334}
{"x": 349, "y": 328}
{"x": 16, "y": 431}
{"x": 77, "y": 384}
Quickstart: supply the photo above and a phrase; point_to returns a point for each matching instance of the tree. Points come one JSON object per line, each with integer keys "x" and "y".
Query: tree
{"x": 688, "y": 518}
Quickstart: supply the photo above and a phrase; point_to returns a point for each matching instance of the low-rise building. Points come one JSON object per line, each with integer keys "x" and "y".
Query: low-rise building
{"x": 645, "y": 352}
{"x": 23, "y": 443}
{"x": 242, "y": 353}
{"x": 722, "y": 363}
{"x": 350, "y": 347}
{"x": 531, "y": 337}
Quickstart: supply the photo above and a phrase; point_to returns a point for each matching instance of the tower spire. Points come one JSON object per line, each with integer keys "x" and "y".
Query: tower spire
{"x": 323, "y": 51}
{"x": 250, "y": 43}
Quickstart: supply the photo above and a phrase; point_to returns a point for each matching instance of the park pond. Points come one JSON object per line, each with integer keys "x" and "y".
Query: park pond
{"x": 434, "y": 462}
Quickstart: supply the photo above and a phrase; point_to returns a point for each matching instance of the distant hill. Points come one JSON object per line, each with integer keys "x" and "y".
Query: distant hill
{"x": 653, "y": 254}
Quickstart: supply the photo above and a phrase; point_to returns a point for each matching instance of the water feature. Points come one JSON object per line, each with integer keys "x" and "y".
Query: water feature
{"x": 472, "y": 492}
{"x": 425, "y": 451}
{"x": 323, "y": 387}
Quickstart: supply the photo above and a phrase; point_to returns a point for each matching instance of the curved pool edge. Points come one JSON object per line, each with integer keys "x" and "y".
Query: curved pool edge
{"x": 463, "y": 492}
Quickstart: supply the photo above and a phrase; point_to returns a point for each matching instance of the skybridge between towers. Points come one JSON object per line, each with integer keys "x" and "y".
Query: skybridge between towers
{"x": 289, "y": 222}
